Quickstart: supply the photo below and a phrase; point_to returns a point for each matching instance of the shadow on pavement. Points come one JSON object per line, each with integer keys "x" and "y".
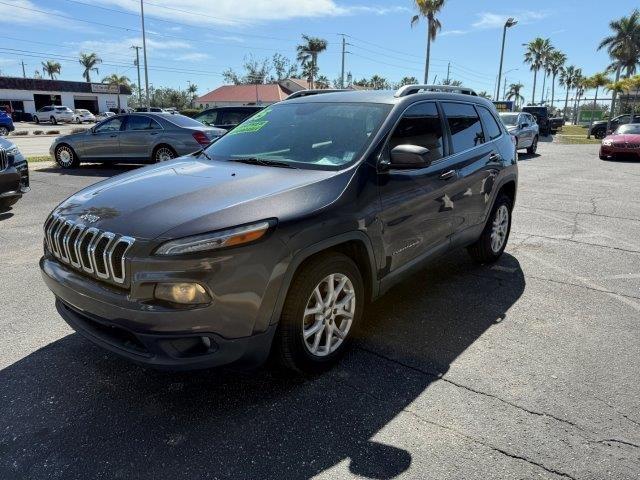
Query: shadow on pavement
{"x": 92, "y": 169}
{"x": 5, "y": 214}
{"x": 71, "y": 410}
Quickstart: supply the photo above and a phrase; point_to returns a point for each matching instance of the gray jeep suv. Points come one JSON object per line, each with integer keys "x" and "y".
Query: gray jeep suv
{"x": 274, "y": 237}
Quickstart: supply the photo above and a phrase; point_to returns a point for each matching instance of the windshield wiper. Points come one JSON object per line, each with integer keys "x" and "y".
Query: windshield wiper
{"x": 262, "y": 161}
{"x": 202, "y": 152}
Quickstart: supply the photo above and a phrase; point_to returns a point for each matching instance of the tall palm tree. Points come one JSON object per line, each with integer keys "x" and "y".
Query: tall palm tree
{"x": 557, "y": 60}
{"x": 89, "y": 62}
{"x": 514, "y": 93}
{"x": 308, "y": 54}
{"x": 428, "y": 9}
{"x": 568, "y": 76}
{"x": 119, "y": 81}
{"x": 579, "y": 86}
{"x": 633, "y": 84}
{"x": 537, "y": 50}
{"x": 546, "y": 69}
{"x": 51, "y": 68}
{"x": 623, "y": 46}
{"x": 192, "y": 89}
{"x": 595, "y": 81}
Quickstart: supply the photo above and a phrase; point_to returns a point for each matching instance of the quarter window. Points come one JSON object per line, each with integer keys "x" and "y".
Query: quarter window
{"x": 420, "y": 125}
{"x": 464, "y": 124}
{"x": 490, "y": 124}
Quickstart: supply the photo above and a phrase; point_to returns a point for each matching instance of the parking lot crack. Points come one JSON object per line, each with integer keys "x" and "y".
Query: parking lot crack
{"x": 571, "y": 284}
{"x": 615, "y": 440}
{"x": 455, "y": 431}
{"x": 477, "y": 392}
{"x": 572, "y": 240}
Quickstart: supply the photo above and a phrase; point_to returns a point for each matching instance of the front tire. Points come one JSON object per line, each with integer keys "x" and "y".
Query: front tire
{"x": 599, "y": 134}
{"x": 322, "y": 311}
{"x": 493, "y": 240}
{"x": 534, "y": 146}
{"x": 36, "y": 119}
{"x": 4, "y": 131}
{"x": 65, "y": 157}
{"x": 53, "y": 120}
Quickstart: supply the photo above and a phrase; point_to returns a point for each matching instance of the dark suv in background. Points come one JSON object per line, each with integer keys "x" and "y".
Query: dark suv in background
{"x": 226, "y": 117}
{"x": 274, "y": 237}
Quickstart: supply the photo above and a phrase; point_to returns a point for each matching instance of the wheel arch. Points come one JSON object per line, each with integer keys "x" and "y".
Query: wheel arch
{"x": 355, "y": 245}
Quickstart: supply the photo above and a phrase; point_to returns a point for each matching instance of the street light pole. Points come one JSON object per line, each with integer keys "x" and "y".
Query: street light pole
{"x": 509, "y": 23}
{"x": 138, "y": 65}
{"x": 144, "y": 52}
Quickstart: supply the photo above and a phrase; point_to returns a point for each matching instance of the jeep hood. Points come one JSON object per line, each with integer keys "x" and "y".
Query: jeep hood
{"x": 188, "y": 196}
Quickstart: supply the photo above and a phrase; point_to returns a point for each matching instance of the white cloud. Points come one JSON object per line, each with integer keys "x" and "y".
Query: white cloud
{"x": 453, "y": 32}
{"x": 496, "y": 20}
{"x": 20, "y": 12}
{"x": 193, "y": 57}
{"x": 232, "y": 12}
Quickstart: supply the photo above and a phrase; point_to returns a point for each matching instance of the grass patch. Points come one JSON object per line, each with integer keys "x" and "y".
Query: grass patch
{"x": 39, "y": 158}
{"x": 574, "y": 134}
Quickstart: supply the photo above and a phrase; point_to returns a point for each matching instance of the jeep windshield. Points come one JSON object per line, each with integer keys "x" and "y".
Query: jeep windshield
{"x": 315, "y": 135}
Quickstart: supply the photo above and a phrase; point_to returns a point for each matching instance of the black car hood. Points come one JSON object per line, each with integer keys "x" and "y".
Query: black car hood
{"x": 188, "y": 196}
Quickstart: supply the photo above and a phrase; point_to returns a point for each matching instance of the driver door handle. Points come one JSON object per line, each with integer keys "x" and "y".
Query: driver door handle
{"x": 448, "y": 175}
{"x": 495, "y": 157}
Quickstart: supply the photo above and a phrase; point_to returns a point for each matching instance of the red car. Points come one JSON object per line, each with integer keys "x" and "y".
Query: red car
{"x": 625, "y": 141}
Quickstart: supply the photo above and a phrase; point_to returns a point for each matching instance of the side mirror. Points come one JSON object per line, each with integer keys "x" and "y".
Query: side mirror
{"x": 407, "y": 157}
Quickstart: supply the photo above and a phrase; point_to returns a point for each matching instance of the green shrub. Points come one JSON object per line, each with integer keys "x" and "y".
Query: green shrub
{"x": 20, "y": 133}
{"x": 190, "y": 112}
{"x": 53, "y": 132}
{"x": 78, "y": 130}
{"x": 38, "y": 132}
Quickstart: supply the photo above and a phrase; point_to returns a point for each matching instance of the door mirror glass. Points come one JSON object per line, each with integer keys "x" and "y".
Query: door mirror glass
{"x": 409, "y": 156}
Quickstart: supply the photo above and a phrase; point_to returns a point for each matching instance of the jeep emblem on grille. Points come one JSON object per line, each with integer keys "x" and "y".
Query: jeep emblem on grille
{"x": 89, "y": 218}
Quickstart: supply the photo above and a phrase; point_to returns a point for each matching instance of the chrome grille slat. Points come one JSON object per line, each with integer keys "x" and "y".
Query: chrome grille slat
{"x": 95, "y": 252}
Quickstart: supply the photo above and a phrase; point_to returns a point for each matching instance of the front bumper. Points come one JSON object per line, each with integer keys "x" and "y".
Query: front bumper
{"x": 14, "y": 182}
{"x": 612, "y": 151}
{"x": 168, "y": 351}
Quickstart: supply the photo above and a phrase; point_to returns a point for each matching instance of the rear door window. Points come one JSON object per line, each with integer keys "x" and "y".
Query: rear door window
{"x": 420, "y": 125}
{"x": 464, "y": 125}
{"x": 139, "y": 122}
{"x": 492, "y": 128}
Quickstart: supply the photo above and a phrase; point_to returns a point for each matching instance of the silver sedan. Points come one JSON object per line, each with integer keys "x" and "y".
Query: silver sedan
{"x": 523, "y": 126}
{"x": 134, "y": 138}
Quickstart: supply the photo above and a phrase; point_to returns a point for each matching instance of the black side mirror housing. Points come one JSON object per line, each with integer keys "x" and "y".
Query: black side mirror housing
{"x": 406, "y": 157}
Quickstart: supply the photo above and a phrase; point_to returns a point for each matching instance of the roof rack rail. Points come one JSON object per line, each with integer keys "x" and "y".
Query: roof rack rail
{"x": 306, "y": 93}
{"x": 411, "y": 89}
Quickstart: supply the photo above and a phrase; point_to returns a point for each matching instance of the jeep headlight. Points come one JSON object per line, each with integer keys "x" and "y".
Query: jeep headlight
{"x": 215, "y": 240}
{"x": 13, "y": 151}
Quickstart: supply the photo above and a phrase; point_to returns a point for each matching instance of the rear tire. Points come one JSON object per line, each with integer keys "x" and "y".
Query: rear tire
{"x": 599, "y": 134}
{"x": 493, "y": 240}
{"x": 36, "y": 119}
{"x": 318, "y": 321}
{"x": 162, "y": 153}
{"x": 534, "y": 146}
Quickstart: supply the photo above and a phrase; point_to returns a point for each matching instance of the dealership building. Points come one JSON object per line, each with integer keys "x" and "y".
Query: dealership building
{"x": 24, "y": 96}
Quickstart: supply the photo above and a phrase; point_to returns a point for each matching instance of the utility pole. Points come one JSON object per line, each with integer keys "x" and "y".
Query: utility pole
{"x": 144, "y": 52}
{"x": 138, "y": 65}
{"x": 504, "y": 89}
{"x": 344, "y": 45}
{"x": 509, "y": 23}
{"x": 24, "y": 74}
{"x": 448, "y": 71}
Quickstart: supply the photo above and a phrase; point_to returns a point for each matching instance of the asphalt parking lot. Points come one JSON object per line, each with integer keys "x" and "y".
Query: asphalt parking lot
{"x": 526, "y": 369}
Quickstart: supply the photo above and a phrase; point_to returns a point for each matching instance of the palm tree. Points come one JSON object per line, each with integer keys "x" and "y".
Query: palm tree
{"x": 119, "y": 81}
{"x": 546, "y": 69}
{"x": 557, "y": 60}
{"x": 537, "y": 50}
{"x": 568, "y": 76}
{"x": 51, "y": 68}
{"x": 514, "y": 93}
{"x": 579, "y": 86}
{"x": 322, "y": 82}
{"x": 192, "y": 89}
{"x": 596, "y": 81}
{"x": 308, "y": 54}
{"x": 633, "y": 83}
{"x": 407, "y": 81}
{"x": 484, "y": 94}
{"x": 623, "y": 47}
{"x": 428, "y": 9}
{"x": 89, "y": 62}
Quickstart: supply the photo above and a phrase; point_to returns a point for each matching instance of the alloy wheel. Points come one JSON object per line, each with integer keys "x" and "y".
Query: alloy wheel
{"x": 64, "y": 156}
{"x": 163, "y": 154}
{"x": 499, "y": 228}
{"x": 4, "y": 131}
{"x": 328, "y": 315}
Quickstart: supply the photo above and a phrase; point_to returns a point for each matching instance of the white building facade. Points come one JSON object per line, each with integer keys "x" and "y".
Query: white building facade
{"x": 24, "y": 96}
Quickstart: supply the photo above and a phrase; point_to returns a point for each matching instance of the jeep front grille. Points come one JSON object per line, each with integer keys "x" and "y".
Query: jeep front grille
{"x": 4, "y": 159}
{"x": 87, "y": 249}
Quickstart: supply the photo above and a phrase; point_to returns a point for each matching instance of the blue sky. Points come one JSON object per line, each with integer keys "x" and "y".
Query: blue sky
{"x": 195, "y": 40}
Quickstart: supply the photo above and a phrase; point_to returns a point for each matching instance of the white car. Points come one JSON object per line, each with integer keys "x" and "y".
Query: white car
{"x": 104, "y": 116}
{"x": 53, "y": 114}
{"x": 80, "y": 115}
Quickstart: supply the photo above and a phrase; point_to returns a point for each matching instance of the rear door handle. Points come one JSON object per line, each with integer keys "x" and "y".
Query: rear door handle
{"x": 113, "y": 135}
{"x": 448, "y": 175}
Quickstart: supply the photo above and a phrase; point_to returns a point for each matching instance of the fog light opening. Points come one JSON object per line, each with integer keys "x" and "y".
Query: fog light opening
{"x": 184, "y": 293}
